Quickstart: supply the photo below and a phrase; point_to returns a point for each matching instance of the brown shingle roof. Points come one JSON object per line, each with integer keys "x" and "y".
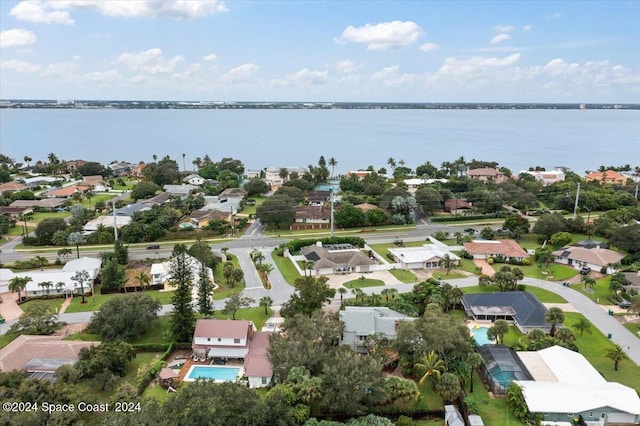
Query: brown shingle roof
{"x": 485, "y": 171}
{"x": 312, "y": 212}
{"x": 324, "y": 258}
{"x": 12, "y": 186}
{"x": 456, "y": 204}
{"x": 365, "y": 207}
{"x": 225, "y": 329}
{"x": 595, "y": 256}
{"x": 46, "y": 203}
{"x": 24, "y": 348}
{"x": 508, "y": 248}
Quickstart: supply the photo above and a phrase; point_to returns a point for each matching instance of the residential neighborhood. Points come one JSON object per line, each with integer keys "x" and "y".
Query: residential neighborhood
{"x": 272, "y": 280}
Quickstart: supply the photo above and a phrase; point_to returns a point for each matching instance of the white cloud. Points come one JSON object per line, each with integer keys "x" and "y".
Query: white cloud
{"x": 500, "y": 38}
{"x": 211, "y": 57}
{"x": 36, "y": 11}
{"x": 526, "y": 27}
{"x": 100, "y": 77}
{"x": 240, "y": 73}
{"x": 555, "y": 15}
{"x": 151, "y": 61}
{"x": 468, "y": 67}
{"x": 505, "y": 28}
{"x": 383, "y": 36}
{"x": 427, "y": 47}
{"x": 16, "y": 37}
{"x": 57, "y": 11}
{"x": 19, "y": 66}
{"x": 391, "y": 77}
{"x": 60, "y": 69}
{"x": 347, "y": 66}
{"x": 189, "y": 72}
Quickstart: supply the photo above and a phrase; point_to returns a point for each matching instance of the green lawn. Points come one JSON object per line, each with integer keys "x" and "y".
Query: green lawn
{"x": 367, "y": 282}
{"x": 544, "y": 296}
{"x": 247, "y": 210}
{"x": 598, "y": 293}
{"x": 554, "y": 272}
{"x": 98, "y": 197}
{"x": 19, "y": 230}
{"x": 256, "y": 315}
{"x": 40, "y": 216}
{"x": 223, "y": 291}
{"x": 592, "y": 347}
{"x": 633, "y": 327}
{"x": 155, "y": 334}
{"x": 451, "y": 276}
{"x": 53, "y": 303}
{"x": 383, "y": 249}
{"x": 494, "y": 411}
{"x": 286, "y": 268}
{"x": 404, "y": 276}
{"x": 468, "y": 266}
{"x": 94, "y": 303}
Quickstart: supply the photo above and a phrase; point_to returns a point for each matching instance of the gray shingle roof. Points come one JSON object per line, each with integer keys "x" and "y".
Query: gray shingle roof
{"x": 369, "y": 320}
{"x": 529, "y": 311}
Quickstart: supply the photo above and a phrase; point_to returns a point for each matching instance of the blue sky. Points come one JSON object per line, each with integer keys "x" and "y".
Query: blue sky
{"x": 396, "y": 51}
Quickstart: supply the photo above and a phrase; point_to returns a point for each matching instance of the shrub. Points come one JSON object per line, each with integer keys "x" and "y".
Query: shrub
{"x": 490, "y": 260}
{"x": 526, "y": 262}
{"x": 146, "y": 374}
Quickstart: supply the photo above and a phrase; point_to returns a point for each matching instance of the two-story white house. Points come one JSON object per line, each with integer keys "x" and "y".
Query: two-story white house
{"x": 361, "y": 322}
{"x": 222, "y": 338}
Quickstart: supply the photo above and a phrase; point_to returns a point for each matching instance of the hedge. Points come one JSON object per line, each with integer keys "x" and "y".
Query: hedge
{"x": 458, "y": 218}
{"x": 151, "y": 347}
{"x": 296, "y": 245}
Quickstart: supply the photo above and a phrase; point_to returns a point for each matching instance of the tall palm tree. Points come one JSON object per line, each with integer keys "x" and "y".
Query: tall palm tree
{"x": 617, "y": 354}
{"x": 60, "y": 285}
{"x": 554, "y": 316}
{"x": 582, "y": 325}
{"x": 143, "y": 279}
{"x": 333, "y": 163}
{"x": 27, "y": 160}
{"x": 432, "y": 367}
{"x": 266, "y": 302}
{"x": 342, "y": 291}
{"x": 284, "y": 174}
{"x": 308, "y": 265}
{"x": 474, "y": 359}
{"x": 184, "y": 165}
{"x": 18, "y": 284}
{"x": 197, "y": 163}
{"x": 155, "y": 158}
{"x": 391, "y": 162}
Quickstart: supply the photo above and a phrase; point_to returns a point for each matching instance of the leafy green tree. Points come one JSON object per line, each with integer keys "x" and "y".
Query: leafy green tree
{"x": 349, "y": 216}
{"x": 92, "y": 168}
{"x": 429, "y": 199}
{"x": 205, "y": 290}
{"x": 448, "y": 387}
{"x": 105, "y": 361}
{"x": 143, "y": 279}
{"x": 543, "y": 257}
{"x": 498, "y": 330}
{"x": 517, "y": 224}
{"x": 507, "y": 278}
{"x": 256, "y": 187}
{"x": 310, "y": 295}
{"x": 616, "y": 353}
{"x": 627, "y": 238}
{"x": 36, "y": 319}
{"x": 163, "y": 172}
{"x": 45, "y": 229}
{"x": 121, "y": 251}
{"x": 113, "y": 274}
{"x": 144, "y": 190}
{"x": 278, "y": 210}
{"x": 549, "y": 224}
{"x": 566, "y": 336}
{"x": 236, "y": 302}
{"x": 125, "y": 317}
{"x": 560, "y": 239}
{"x": 589, "y": 282}
{"x": 554, "y": 316}
{"x": 517, "y": 403}
{"x": 182, "y": 321}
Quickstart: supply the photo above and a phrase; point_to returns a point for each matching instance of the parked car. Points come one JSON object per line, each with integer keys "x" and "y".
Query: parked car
{"x": 585, "y": 271}
{"x": 153, "y": 247}
{"x": 625, "y": 304}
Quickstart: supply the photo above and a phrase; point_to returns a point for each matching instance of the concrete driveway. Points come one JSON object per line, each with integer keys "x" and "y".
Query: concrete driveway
{"x": 9, "y": 309}
{"x": 337, "y": 281}
{"x": 484, "y": 265}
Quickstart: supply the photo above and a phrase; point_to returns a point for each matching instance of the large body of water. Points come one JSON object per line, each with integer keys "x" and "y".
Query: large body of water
{"x": 517, "y": 139}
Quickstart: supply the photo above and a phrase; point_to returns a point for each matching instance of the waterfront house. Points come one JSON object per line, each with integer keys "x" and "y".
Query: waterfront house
{"x": 546, "y": 177}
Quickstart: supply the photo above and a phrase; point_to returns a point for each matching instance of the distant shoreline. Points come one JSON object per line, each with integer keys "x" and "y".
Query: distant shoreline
{"x": 115, "y": 104}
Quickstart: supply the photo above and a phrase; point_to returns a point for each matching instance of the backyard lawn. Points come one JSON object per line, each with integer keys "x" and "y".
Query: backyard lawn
{"x": 256, "y": 315}
{"x": 223, "y": 291}
{"x": 554, "y": 272}
{"x": 383, "y": 249}
{"x": 40, "y": 216}
{"x": 494, "y": 411}
{"x": 367, "y": 282}
{"x": 404, "y": 276}
{"x": 94, "y": 303}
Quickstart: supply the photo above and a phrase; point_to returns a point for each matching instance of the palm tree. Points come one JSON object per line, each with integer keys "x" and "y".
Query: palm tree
{"x": 333, "y": 163}
{"x": 266, "y": 302}
{"x": 588, "y": 282}
{"x": 81, "y": 277}
{"x": 432, "y": 366}
{"x": 75, "y": 239}
{"x": 184, "y": 165}
{"x": 617, "y": 354}
{"x": 474, "y": 359}
{"x": 197, "y": 163}
{"x": 60, "y": 285}
{"x": 65, "y": 252}
{"x": 447, "y": 262}
{"x": 554, "y": 316}
{"x": 284, "y": 174}
{"x": 143, "y": 279}
{"x": 27, "y": 160}
{"x": 498, "y": 330}
{"x": 342, "y": 291}
{"x": 155, "y": 158}
{"x": 18, "y": 284}
{"x": 582, "y": 325}
{"x": 566, "y": 336}
{"x": 40, "y": 261}
{"x": 257, "y": 257}
{"x": 308, "y": 265}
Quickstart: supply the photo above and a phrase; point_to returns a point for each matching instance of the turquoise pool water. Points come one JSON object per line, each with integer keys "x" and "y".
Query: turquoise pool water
{"x": 212, "y": 372}
{"x": 480, "y": 335}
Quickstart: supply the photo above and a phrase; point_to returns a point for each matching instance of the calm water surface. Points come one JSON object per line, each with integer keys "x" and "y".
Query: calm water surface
{"x": 516, "y": 139}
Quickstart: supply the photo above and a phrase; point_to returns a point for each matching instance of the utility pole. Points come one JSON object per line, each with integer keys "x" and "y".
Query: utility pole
{"x": 331, "y": 201}
{"x": 575, "y": 207}
{"x": 115, "y": 223}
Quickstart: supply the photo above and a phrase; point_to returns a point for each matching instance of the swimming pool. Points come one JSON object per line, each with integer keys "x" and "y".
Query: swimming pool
{"x": 480, "y": 336}
{"x": 213, "y": 372}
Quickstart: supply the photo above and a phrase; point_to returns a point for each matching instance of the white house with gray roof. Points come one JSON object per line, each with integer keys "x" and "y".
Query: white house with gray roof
{"x": 361, "y": 322}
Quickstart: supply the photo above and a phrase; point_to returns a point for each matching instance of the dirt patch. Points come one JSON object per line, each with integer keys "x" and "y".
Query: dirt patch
{"x": 133, "y": 272}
